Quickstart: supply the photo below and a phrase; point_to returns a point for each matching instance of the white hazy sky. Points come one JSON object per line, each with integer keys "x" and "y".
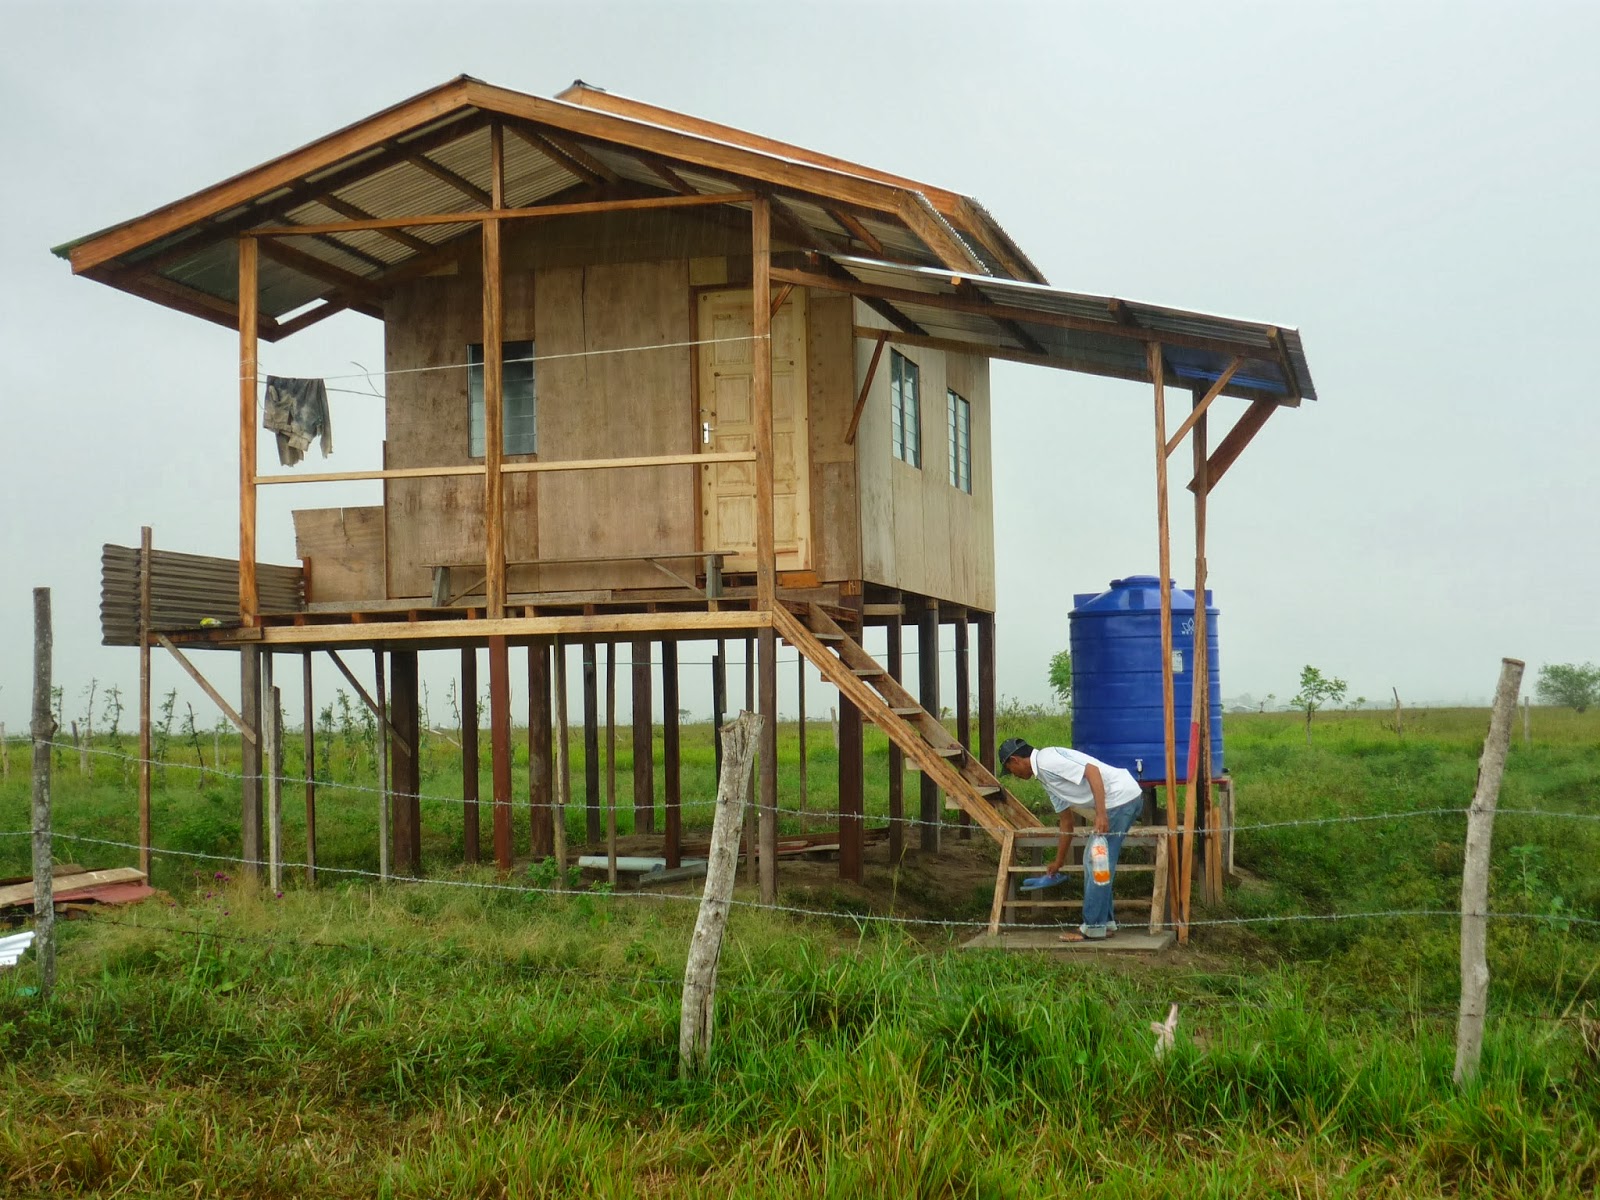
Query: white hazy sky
{"x": 1414, "y": 186}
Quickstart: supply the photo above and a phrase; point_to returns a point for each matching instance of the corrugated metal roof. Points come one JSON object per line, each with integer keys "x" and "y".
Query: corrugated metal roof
{"x": 1093, "y": 331}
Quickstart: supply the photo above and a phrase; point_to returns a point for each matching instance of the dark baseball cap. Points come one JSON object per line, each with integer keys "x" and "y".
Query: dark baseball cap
{"x": 1012, "y": 747}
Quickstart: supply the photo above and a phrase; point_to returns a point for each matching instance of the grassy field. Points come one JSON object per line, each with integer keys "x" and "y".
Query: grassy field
{"x": 446, "y": 1041}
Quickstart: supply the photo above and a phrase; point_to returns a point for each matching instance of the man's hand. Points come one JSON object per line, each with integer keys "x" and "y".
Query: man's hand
{"x": 1101, "y": 824}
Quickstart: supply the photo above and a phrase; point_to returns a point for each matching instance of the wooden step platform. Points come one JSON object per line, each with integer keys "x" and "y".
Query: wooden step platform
{"x": 1127, "y": 941}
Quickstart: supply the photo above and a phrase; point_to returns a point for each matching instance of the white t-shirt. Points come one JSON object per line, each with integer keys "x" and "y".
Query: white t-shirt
{"x": 1062, "y": 772}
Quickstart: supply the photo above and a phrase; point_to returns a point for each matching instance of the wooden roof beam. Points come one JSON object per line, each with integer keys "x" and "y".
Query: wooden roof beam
{"x": 1285, "y": 364}
{"x": 356, "y": 286}
{"x": 1199, "y": 409}
{"x": 330, "y": 306}
{"x": 857, "y": 230}
{"x": 939, "y": 235}
{"x": 1029, "y": 343}
{"x": 354, "y": 212}
{"x": 563, "y": 158}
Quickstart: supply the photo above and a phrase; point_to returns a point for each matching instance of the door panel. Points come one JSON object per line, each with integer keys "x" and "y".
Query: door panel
{"x": 728, "y": 490}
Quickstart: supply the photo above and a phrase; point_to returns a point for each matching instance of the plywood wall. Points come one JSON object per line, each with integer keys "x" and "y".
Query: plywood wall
{"x": 343, "y": 549}
{"x": 920, "y": 533}
{"x": 619, "y": 402}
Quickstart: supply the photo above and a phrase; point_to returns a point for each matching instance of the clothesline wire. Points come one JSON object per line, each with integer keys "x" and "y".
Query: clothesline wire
{"x": 533, "y": 358}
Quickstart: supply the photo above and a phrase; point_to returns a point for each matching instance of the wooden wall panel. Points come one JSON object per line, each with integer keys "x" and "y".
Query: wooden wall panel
{"x": 343, "y": 548}
{"x": 830, "y": 373}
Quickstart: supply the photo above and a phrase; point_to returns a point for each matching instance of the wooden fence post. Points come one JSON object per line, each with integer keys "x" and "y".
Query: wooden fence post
{"x": 739, "y": 740}
{"x": 1475, "y": 876}
{"x": 44, "y": 729}
{"x": 1527, "y": 731}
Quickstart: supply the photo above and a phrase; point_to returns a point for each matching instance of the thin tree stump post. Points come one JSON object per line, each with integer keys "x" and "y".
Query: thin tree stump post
{"x": 44, "y": 730}
{"x": 739, "y": 740}
{"x": 1475, "y": 873}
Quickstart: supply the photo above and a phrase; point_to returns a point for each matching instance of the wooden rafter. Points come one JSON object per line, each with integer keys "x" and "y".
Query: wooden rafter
{"x": 351, "y": 284}
{"x": 938, "y": 234}
{"x": 330, "y": 307}
{"x": 857, "y": 230}
{"x": 671, "y": 178}
{"x": 543, "y": 145}
{"x": 1029, "y": 343}
{"x": 1281, "y": 349}
{"x": 446, "y": 176}
{"x": 355, "y": 213}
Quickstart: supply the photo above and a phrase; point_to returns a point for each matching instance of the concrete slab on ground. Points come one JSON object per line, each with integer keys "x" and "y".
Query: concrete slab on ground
{"x": 1126, "y": 941}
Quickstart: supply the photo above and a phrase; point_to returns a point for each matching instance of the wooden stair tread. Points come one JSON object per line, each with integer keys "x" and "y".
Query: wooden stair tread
{"x": 905, "y": 712}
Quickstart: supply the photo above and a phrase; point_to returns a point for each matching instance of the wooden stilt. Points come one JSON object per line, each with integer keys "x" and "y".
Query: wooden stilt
{"x": 249, "y": 334}
{"x": 768, "y": 795}
{"x": 719, "y": 699}
{"x": 250, "y": 759}
{"x": 987, "y": 745}
{"x": 761, "y": 399}
{"x": 471, "y": 826}
{"x": 611, "y": 763}
{"x": 671, "y": 773}
{"x": 928, "y": 695}
{"x": 541, "y": 833}
{"x": 591, "y": 745}
{"x": 272, "y": 757}
{"x": 897, "y": 758}
{"x": 563, "y": 765}
{"x": 1201, "y": 669}
{"x": 800, "y": 701}
{"x": 500, "y": 748}
{"x": 406, "y": 767}
{"x": 385, "y": 784}
{"x": 749, "y": 812}
{"x": 963, "y": 706}
{"x": 309, "y": 743}
{"x": 852, "y": 841}
{"x": 144, "y": 701}
{"x": 644, "y": 783}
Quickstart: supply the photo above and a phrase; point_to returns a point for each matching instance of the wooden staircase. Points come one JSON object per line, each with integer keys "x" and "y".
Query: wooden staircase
{"x": 928, "y": 745}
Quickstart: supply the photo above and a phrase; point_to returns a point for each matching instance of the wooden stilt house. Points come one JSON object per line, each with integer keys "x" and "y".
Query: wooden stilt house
{"x": 648, "y": 378}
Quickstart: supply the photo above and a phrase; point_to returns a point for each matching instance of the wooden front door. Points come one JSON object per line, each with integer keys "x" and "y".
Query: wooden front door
{"x": 728, "y": 490}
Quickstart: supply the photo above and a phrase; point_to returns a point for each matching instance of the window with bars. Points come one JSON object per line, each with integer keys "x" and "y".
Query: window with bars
{"x": 905, "y": 409}
{"x": 521, "y": 399}
{"x": 960, "y": 422}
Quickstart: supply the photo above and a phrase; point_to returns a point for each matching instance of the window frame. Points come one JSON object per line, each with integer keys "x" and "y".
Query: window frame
{"x": 904, "y": 416}
{"x": 959, "y": 429}
{"x": 522, "y": 426}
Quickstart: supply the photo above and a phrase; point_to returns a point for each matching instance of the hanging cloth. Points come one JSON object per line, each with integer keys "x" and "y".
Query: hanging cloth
{"x": 297, "y": 411}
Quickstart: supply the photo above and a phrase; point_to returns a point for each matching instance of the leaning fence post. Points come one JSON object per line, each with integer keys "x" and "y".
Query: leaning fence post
{"x": 44, "y": 729}
{"x": 1475, "y": 875}
{"x": 739, "y": 741}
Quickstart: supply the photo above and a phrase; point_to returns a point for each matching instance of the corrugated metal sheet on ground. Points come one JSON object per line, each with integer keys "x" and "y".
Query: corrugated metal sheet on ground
{"x": 186, "y": 590}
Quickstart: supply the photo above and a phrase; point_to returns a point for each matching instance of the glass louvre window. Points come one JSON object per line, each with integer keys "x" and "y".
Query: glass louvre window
{"x": 905, "y": 409}
{"x": 521, "y": 433}
{"x": 960, "y": 414}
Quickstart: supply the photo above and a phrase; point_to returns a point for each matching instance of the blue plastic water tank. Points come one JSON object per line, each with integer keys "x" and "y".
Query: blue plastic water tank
{"x": 1116, "y": 676}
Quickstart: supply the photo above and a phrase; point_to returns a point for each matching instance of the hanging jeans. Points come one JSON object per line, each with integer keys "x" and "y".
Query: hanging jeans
{"x": 1098, "y": 918}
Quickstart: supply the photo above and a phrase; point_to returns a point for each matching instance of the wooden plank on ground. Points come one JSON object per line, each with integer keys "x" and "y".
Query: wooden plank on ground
{"x": 22, "y": 893}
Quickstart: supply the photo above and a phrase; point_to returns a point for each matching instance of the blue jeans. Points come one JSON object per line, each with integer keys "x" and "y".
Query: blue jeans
{"x": 1098, "y": 919}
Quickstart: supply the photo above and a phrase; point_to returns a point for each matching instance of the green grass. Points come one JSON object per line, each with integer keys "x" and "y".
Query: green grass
{"x": 431, "y": 1041}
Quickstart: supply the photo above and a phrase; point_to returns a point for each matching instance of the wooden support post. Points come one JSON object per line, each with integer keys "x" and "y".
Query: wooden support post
{"x": 1199, "y": 807}
{"x": 273, "y": 725}
{"x": 852, "y": 840}
{"x": 719, "y": 699}
{"x": 541, "y": 829}
{"x": 494, "y": 412}
{"x": 308, "y": 742}
{"x": 144, "y": 700}
{"x": 928, "y": 695}
{"x": 406, "y": 771}
{"x": 380, "y": 686}
{"x": 987, "y": 695}
{"x": 705, "y": 947}
{"x": 500, "y": 747}
{"x": 800, "y": 701}
{"x": 611, "y": 763}
{"x": 591, "y": 745}
{"x": 761, "y": 397}
{"x": 471, "y": 824}
{"x": 250, "y": 759}
{"x": 768, "y": 709}
{"x": 963, "y": 705}
{"x": 750, "y": 815}
{"x": 1170, "y": 774}
{"x": 1475, "y": 874}
{"x": 43, "y": 730}
{"x": 644, "y": 781}
{"x": 671, "y": 766}
{"x": 249, "y": 600}
{"x": 563, "y": 762}
{"x": 895, "y": 660}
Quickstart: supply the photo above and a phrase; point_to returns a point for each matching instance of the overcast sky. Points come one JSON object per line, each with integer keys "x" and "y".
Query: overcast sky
{"x": 1413, "y": 186}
